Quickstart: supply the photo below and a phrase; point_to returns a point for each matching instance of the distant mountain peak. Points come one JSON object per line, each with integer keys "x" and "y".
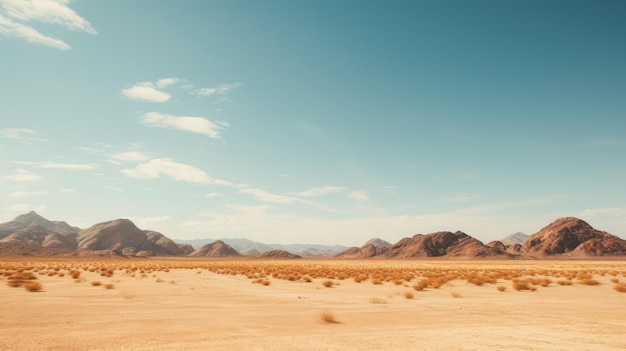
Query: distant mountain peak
{"x": 515, "y": 238}
{"x": 378, "y": 243}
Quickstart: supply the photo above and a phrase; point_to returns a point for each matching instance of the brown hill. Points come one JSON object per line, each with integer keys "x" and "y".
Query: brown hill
{"x": 38, "y": 235}
{"x": 120, "y": 235}
{"x": 365, "y": 251}
{"x": 570, "y": 235}
{"x": 439, "y": 244}
{"x": 32, "y": 218}
{"x": 215, "y": 249}
{"x": 166, "y": 245}
{"x": 278, "y": 254}
{"x": 505, "y": 249}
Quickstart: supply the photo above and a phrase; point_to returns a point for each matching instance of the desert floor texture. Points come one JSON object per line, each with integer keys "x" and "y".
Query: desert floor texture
{"x": 164, "y": 304}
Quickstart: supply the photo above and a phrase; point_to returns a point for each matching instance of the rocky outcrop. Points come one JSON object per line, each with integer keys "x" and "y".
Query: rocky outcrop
{"x": 440, "y": 244}
{"x": 278, "y": 254}
{"x": 572, "y": 236}
{"x": 516, "y": 238}
{"x": 215, "y": 249}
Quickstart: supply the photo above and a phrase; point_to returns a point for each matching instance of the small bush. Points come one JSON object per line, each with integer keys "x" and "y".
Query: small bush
{"x": 96, "y": 283}
{"x": 564, "y": 282}
{"x": 109, "y": 286}
{"x": 328, "y": 283}
{"x": 408, "y": 295}
{"x": 33, "y": 286}
{"x": 621, "y": 287}
{"x": 328, "y": 317}
{"x": 501, "y": 288}
{"x": 589, "y": 281}
{"x": 456, "y": 295}
{"x": 377, "y": 300}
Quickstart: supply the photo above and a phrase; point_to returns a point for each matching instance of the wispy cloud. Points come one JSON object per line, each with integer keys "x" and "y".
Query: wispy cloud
{"x": 145, "y": 92}
{"x": 213, "y": 195}
{"x": 130, "y": 156}
{"x": 179, "y": 172}
{"x": 197, "y": 125}
{"x": 221, "y": 89}
{"x": 358, "y": 195}
{"x": 67, "y": 190}
{"x": 70, "y": 166}
{"x": 320, "y": 191}
{"x": 22, "y": 175}
{"x": 15, "y": 14}
{"x": 150, "y": 222}
{"x": 20, "y": 134}
{"x": 22, "y": 194}
{"x": 21, "y": 208}
{"x": 266, "y": 196}
{"x": 165, "y": 82}
{"x": 114, "y": 188}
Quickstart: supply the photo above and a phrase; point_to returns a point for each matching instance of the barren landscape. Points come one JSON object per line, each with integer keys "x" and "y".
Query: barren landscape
{"x": 321, "y": 304}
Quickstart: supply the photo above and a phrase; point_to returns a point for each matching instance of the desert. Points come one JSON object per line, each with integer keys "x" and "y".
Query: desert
{"x": 311, "y": 304}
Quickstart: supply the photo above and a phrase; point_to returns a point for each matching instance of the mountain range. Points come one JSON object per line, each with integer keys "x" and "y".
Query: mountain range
{"x": 31, "y": 234}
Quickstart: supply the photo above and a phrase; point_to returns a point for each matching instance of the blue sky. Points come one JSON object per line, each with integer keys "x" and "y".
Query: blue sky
{"x": 314, "y": 121}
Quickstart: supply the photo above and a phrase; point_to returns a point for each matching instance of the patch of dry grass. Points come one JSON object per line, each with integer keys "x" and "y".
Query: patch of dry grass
{"x": 456, "y": 295}
{"x": 328, "y": 317}
{"x": 408, "y": 295}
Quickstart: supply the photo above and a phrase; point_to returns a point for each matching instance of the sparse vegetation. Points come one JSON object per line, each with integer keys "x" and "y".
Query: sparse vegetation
{"x": 377, "y": 300}
{"x": 456, "y": 295}
{"x": 620, "y": 287}
{"x": 501, "y": 288}
{"x": 96, "y": 283}
{"x": 328, "y": 317}
{"x": 328, "y": 283}
{"x": 408, "y": 295}
{"x": 33, "y": 286}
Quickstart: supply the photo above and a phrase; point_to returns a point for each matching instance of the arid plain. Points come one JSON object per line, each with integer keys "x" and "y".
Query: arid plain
{"x": 246, "y": 304}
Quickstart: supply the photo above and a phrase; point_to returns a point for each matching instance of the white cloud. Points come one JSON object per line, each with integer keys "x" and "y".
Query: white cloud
{"x": 114, "y": 188}
{"x": 266, "y": 196}
{"x": 358, "y": 195}
{"x": 46, "y": 11}
{"x": 131, "y": 156}
{"x": 221, "y": 89}
{"x": 20, "y": 134}
{"x": 213, "y": 195}
{"x": 189, "y": 124}
{"x": 70, "y": 166}
{"x": 21, "y": 194}
{"x": 321, "y": 191}
{"x": 67, "y": 190}
{"x": 178, "y": 172}
{"x": 165, "y": 82}
{"x": 614, "y": 211}
{"x": 22, "y": 175}
{"x": 146, "y": 92}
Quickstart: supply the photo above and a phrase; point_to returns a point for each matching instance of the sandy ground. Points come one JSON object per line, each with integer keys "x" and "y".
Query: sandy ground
{"x": 184, "y": 310}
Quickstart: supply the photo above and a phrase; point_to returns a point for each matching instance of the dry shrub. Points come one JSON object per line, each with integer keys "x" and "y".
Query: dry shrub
{"x": 109, "y": 286}
{"x": 456, "y": 295}
{"x": 620, "y": 287}
{"x": 408, "y": 295}
{"x": 501, "y": 288}
{"x": 589, "y": 281}
{"x": 377, "y": 301}
{"x": 328, "y": 317}
{"x": 564, "y": 282}
{"x": 328, "y": 283}
{"x": 520, "y": 285}
{"x": 377, "y": 281}
{"x": 96, "y": 283}
{"x": 265, "y": 282}
{"x": 421, "y": 285}
{"x": 33, "y": 286}
{"x": 614, "y": 280}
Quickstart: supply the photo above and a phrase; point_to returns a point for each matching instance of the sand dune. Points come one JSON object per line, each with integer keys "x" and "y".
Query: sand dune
{"x": 215, "y": 305}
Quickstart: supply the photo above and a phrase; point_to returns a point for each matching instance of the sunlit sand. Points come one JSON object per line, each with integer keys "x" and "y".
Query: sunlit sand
{"x": 183, "y": 304}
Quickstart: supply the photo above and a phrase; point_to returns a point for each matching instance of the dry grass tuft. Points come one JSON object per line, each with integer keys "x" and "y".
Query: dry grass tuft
{"x": 109, "y": 286}
{"x": 33, "y": 286}
{"x": 96, "y": 283}
{"x": 408, "y": 295}
{"x": 328, "y": 283}
{"x": 377, "y": 301}
{"x": 456, "y": 295}
{"x": 588, "y": 281}
{"x": 501, "y": 288}
{"x": 328, "y": 317}
{"x": 621, "y": 287}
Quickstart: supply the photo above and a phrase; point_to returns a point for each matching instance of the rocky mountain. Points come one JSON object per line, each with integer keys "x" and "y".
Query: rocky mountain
{"x": 166, "y": 244}
{"x": 372, "y": 248}
{"x": 573, "y": 236}
{"x": 32, "y": 218}
{"x": 515, "y": 238}
{"x": 278, "y": 254}
{"x": 439, "y": 244}
{"x": 121, "y": 235}
{"x": 252, "y": 248}
{"x": 501, "y": 248}
{"x": 215, "y": 249}
{"x": 35, "y": 234}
